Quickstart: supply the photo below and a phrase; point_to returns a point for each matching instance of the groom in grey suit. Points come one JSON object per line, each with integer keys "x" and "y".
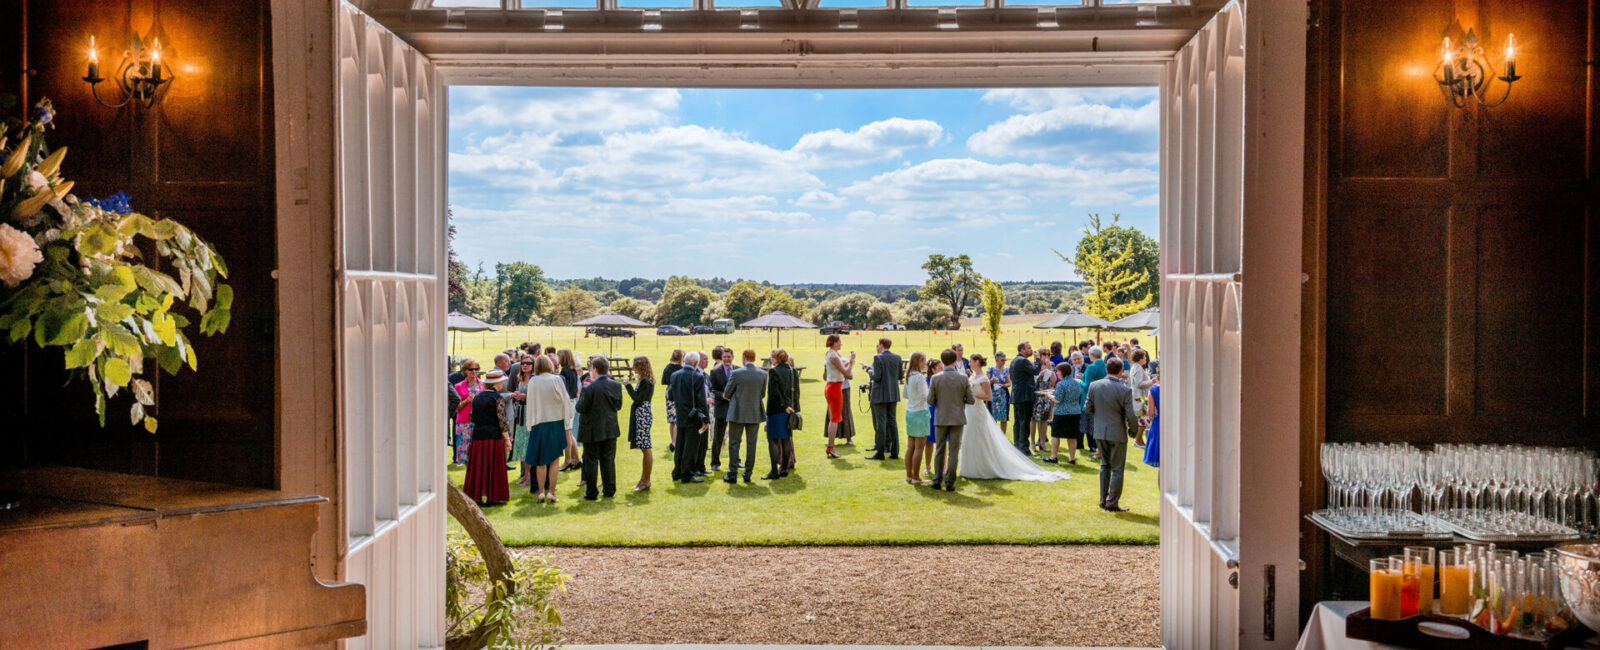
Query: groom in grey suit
{"x": 949, "y": 395}
{"x": 746, "y": 411}
{"x": 1110, "y": 405}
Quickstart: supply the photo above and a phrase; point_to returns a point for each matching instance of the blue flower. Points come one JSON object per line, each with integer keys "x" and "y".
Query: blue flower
{"x": 44, "y": 112}
{"x": 117, "y": 202}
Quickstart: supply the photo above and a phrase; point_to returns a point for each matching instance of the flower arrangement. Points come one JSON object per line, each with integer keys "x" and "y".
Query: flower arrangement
{"x": 79, "y": 275}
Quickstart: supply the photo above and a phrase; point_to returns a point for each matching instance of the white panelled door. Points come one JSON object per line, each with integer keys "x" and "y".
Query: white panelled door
{"x": 1229, "y": 566}
{"x": 391, "y": 222}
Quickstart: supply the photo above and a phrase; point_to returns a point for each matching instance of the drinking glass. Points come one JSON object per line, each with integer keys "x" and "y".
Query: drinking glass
{"x": 1410, "y": 585}
{"x": 1421, "y": 560}
{"x": 1384, "y": 589}
{"x": 1455, "y": 581}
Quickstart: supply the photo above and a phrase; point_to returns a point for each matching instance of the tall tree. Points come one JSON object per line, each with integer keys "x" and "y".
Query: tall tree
{"x": 570, "y": 304}
{"x": 520, "y": 293}
{"x": 1110, "y": 271}
{"x": 775, "y": 299}
{"x": 456, "y": 293}
{"x": 682, "y": 302}
{"x": 994, "y": 306}
{"x": 852, "y": 308}
{"x": 1146, "y": 256}
{"x": 952, "y": 281}
{"x": 628, "y": 307}
{"x": 743, "y": 301}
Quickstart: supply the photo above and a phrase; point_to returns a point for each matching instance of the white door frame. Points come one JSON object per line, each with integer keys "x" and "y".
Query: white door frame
{"x": 305, "y": 60}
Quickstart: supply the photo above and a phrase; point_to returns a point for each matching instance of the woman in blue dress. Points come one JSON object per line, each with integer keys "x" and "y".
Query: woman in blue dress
{"x": 1000, "y": 383}
{"x": 1152, "y": 447}
{"x": 934, "y": 367}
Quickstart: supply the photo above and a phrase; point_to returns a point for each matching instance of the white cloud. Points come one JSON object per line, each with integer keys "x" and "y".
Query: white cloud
{"x": 819, "y": 199}
{"x": 975, "y": 192}
{"x": 562, "y": 111}
{"x": 1086, "y": 125}
{"x": 881, "y": 140}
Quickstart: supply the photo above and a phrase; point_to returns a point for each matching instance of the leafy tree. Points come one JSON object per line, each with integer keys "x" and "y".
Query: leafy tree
{"x": 1111, "y": 272}
{"x": 744, "y": 301}
{"x": 628, "y": 307}
{"x": 926, "y": 315}
{"x": 627, "y": 286}
{"x": 1146, "y": 256}
{"x": 456, "y": 294}
{"x": 713, "y": 311}
{"x": 569, "y": 305}
{"x": 607, "y": 296}
{"x": 881, "y": 313}
{"x": 520, "y": 293}
{"x": 775, "y": 299}
{"x": 953, "y": 282}
{"x": 1036, "y": 306}
{"x": 852, "y": 308}
{"x": 682, "y": 302}
{"x": 994, "y": 306}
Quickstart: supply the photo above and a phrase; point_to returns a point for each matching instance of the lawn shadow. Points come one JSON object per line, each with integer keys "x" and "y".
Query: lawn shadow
{"x": 581, "y": 507}
{"x": 789, "y": 484}
{"x": 956, "y": 498}
{"x": 1137, "y": 518}
{"x": 991, "y": 488}
{"x": 689, "y": 489}
{"x": 749, "y": 490}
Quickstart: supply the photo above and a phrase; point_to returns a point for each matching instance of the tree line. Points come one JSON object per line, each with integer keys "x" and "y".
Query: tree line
{"x": 1118, "y": 264}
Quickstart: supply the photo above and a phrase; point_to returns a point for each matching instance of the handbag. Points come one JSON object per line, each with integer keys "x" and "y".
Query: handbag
{"x": 795, "y": 421}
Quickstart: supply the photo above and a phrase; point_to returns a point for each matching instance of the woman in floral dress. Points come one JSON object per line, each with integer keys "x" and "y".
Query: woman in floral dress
{"x": 1000, "y": 383}
{"x": 466, "y": 389}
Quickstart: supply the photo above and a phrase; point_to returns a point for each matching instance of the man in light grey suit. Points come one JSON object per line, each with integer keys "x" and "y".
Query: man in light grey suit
{"x": 1110, "y": 405}
{"x": 885, "y": 396}
{"x": 745, "y": 392}
{"x": 949, "y": 395}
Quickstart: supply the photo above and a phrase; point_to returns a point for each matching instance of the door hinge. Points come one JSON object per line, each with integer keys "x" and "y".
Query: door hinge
{"x": 1269, "y": 599}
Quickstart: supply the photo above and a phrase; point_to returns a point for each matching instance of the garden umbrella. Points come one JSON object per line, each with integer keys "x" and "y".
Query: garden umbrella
{"x": 1074, "y": 319}
{"x": 779, "y": 321}
{"x": 1148, "y": 319}
{"x": 458, "y": 322}
{"x": 613, "y": 319}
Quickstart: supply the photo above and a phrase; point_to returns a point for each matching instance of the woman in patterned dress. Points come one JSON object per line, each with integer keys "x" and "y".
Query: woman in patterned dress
{"x": 1043, "y": 410}
{"x": 519, "y": 424}
{"x": 1000, "y": 381}
{"x": 466, "y": 389}
{"x": 639, "y": 425}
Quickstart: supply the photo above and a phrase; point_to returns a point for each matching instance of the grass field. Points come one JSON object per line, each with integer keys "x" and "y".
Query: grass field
{"x": 844, "y": 501}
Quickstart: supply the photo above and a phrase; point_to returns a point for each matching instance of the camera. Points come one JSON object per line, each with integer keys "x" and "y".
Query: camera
{"x": 865, "y": 387}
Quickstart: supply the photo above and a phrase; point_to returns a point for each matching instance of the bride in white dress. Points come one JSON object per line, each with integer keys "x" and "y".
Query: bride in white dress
{"x": 986, "y": 453}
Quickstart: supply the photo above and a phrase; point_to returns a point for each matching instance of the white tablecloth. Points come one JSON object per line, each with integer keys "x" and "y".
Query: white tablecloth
{"x": 1325, "y": 630}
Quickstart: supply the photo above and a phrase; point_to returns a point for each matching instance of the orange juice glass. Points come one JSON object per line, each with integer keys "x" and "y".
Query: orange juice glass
{"x": 1421, "y": 559}
{"x": 1385, "y": 589}
{"x": 1455, "y": 583}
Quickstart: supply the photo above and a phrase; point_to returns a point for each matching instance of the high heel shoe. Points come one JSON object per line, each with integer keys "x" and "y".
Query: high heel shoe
{"x": 832, "y": 454}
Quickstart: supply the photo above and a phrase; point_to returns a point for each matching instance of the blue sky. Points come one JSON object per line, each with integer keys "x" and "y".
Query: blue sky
{"x": 794, "y": 185}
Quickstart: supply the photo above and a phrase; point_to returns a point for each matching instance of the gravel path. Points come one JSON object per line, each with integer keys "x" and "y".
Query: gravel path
{"x": 927, "y": 595}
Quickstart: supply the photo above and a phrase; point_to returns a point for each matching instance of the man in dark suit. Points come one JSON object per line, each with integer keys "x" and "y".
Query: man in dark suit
{"x": 688, "y": 392}
{"x": 746, "y": 411}
{"x": 1023, "y": 372}
{"x": 719, "y": 406}
{"x": 884, "y": 396}
{"x": 949, "y": 394}
{"x": 1110, "y": 404}
{"x": 597, "y": 430}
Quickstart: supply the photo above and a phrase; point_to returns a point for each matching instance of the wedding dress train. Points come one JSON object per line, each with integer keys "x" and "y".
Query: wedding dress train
{"x": 986, "y": 452}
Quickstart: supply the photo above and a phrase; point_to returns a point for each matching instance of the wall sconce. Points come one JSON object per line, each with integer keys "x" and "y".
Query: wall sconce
{"x": 1464, "y": 73}
{"x": 139, "y": 74}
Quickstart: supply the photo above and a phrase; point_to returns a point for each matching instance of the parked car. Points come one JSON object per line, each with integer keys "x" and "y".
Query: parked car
{"x": 671, "y": 330}
{"x": 611, "y": 331}
{"x": 891, "y": 327}
{"x": 836, "y": 327}
{"x": 703, "y": 329}
{"x": 723, "y": 325}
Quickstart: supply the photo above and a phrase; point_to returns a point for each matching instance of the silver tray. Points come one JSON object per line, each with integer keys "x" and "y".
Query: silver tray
{"x": 1421, "y": 533}
{"x": 1478, "y": 535}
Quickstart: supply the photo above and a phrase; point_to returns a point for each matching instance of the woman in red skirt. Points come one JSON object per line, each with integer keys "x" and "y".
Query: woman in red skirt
{"x": 486, "y": 462}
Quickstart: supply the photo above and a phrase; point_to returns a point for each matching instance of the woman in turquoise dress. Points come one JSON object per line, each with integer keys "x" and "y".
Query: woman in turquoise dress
{"x": 519, "y": 424}
{"x": 1000, "y": 383}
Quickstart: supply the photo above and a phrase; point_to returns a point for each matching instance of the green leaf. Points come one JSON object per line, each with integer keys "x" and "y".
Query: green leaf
{"x": 118, "y": 372}
{"x": 20, "y": 329}
{"x": 57, "y": 328}
{"x": 170, "y": 359}
{"x": 166, "y": 327}
{"x": 121, "y": 341}
{"x": 119, "y": 283}
{"x": 81, "y": 354}
{"x": 224, "y": 297}
{"x": 114, "y": 312}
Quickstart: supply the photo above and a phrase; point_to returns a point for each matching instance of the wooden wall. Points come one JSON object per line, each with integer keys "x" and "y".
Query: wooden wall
{"x": 203, "y": 155}
{"x": 1452, "y": 253}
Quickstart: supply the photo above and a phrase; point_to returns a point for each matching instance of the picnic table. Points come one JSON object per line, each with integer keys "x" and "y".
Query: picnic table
{"x": 621, "y": 368}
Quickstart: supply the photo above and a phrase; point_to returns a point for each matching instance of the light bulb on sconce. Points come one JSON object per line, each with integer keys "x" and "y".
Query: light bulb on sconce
{"x": 1464, "y": 72}
{"x": 139, "y": 75}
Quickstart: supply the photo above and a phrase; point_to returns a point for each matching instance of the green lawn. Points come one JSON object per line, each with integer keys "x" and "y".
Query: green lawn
{"x": 844, "y": 501}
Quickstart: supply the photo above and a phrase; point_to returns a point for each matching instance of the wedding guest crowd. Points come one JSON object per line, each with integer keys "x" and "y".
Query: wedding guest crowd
{"x": 537, "y": 409}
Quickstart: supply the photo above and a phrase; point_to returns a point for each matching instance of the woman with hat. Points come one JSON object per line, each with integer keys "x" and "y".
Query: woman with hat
{"x": 486, "y": 461}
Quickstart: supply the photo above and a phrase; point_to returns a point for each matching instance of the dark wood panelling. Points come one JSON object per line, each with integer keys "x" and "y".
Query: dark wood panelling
{"x": 1395, "y": 269}
{"x": 1386, "y": 45}
{"x": 1486, "y": 332}
{"x": 202, "y": 155}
